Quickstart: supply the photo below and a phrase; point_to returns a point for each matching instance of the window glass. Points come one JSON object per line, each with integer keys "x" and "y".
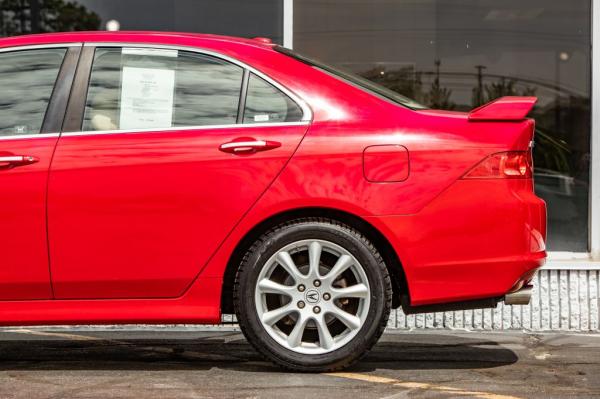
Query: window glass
{"x": 266, "y": 103}
{"x": 354, "y": 79}
{"x": 142, "y": 88}
{"x": 458, "y": 55}
{"x": 27, "y": 79}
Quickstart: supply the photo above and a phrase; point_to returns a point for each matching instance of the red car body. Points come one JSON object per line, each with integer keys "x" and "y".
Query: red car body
{"x": 142, "y": 227}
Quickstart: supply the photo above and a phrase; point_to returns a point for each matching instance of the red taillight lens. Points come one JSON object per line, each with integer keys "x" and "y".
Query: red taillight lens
{"x": 504, "y": 165}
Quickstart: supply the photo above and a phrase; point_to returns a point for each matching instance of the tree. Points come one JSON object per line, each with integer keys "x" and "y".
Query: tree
{"x": 19, "y": 17}
{"x": 403, "y": 80}
{"x": 438, "y": 97}
{"x": 61, "y": 16}
{"x": 506, "y": 87}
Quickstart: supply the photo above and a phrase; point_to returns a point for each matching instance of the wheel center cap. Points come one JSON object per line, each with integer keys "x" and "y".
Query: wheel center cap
{"x": 312, "y": 296}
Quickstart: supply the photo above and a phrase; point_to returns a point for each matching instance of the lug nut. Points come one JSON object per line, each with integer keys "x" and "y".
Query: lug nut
{"x": 317, "y": 309}
{"x": 301, "y": 288}
{"x": 317, "y": 283}
{"x": 326, "y": 296}
{"x": 301, "y": 304}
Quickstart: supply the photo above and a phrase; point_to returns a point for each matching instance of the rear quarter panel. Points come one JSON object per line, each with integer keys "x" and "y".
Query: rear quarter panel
{"x": 449, "y": 245}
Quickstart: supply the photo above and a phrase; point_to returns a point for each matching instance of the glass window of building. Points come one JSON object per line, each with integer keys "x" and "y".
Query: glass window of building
{"x": 459, "y": 55}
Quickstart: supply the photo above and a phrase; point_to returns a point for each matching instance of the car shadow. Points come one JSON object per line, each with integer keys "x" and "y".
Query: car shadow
{"x": 110, "y": 351}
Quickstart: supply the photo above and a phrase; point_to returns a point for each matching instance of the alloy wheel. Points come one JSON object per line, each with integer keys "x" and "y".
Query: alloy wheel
{"x": 312, "y": 296}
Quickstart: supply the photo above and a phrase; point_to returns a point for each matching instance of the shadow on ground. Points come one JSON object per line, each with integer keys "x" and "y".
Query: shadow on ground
{"x": 231, "y": 351}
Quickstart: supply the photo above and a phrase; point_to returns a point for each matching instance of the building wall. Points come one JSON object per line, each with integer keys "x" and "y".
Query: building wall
{"x": 565, "y": 300}
{"x": 448, "y": 54}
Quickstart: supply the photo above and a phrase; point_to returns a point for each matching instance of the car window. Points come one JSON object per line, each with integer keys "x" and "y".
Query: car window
{"x": 142, "y": 88}
{"x": 27, "y": 78}
{"x": 354, "y": 79}
{"x": 266, "y": 103}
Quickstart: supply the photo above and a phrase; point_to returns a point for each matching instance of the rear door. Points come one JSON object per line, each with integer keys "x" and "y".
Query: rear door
{"x": 30, "y": 121}
{"x": 164, "y": 151}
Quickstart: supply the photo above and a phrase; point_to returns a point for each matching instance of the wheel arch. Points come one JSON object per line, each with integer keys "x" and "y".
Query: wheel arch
{"x": 390, "y": 257}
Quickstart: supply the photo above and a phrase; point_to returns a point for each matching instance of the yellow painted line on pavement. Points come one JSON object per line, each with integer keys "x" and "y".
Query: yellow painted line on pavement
{"x": 419, "y": 385}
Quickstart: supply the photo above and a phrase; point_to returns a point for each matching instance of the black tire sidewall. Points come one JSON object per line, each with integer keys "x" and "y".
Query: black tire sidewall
{"x": 342, "y": 236}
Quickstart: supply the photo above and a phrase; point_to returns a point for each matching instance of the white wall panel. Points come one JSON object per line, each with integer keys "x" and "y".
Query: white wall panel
{"x": 563, "y": 300}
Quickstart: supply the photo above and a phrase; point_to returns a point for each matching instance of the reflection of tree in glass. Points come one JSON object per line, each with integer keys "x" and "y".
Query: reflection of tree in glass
{"x": 505, "y": 87}
{"x": 408, "y": 82}
{"x": 19, "y": 17}
{"x": 438, "y": 96}
{"x": 403, "y": 80}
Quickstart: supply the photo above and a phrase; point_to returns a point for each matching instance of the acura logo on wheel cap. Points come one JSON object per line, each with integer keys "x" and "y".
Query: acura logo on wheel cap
{"x": 312, "y": 296}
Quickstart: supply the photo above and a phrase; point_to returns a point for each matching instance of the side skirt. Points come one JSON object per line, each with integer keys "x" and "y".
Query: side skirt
{"x": 199, "y": 305}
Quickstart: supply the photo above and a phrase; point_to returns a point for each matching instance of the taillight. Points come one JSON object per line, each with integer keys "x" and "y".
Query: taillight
{"x": 504, "y": 165}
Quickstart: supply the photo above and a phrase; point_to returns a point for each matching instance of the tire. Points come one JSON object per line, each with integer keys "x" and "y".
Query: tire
{"x": 306, "y": 317}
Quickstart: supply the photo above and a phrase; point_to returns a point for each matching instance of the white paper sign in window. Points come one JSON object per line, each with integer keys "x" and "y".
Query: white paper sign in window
{"x": 147, "y": 98}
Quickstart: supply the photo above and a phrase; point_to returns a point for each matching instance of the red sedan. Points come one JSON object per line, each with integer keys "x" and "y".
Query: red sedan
{"x": 169, "y": 178}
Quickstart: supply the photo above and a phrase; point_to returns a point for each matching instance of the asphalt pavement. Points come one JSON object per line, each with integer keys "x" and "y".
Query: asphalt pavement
{"x": 180, "y": 362}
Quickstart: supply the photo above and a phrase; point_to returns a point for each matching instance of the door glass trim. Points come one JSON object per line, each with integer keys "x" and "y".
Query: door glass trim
{"x": 39, "y": 46}
{"x": 186, "y": 128}
{"x": 29, "y": 136}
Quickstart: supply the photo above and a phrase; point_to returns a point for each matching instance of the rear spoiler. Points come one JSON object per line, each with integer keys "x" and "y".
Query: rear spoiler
{"x": 509, "y": 108}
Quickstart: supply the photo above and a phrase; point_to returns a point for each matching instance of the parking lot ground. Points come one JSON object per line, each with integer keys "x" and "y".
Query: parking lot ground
{"x": 194, "y": 363}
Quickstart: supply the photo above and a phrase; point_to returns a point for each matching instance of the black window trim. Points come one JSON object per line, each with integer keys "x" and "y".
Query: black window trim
{"x": 76, "y": 109}
{"x": 73, "y": 122}
{"x": 243, "y": 97}
{"x": 57, "y": 107}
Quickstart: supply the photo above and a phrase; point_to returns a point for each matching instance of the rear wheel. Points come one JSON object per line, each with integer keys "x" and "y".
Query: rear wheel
{"x": 312, "y": 295}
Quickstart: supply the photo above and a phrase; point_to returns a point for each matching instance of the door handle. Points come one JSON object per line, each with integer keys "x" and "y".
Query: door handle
{"x": 248, "y": 146}
{"x": 12, "y": 161}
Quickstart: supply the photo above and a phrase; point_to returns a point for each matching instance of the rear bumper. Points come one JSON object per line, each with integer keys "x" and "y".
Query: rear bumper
{"x": 478, "y": 239}
{"x": 522, "y": 296}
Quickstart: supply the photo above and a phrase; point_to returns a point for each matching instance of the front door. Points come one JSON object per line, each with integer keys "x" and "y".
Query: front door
{"x": 27, "y": 80}
{"x": 167, "y": 161}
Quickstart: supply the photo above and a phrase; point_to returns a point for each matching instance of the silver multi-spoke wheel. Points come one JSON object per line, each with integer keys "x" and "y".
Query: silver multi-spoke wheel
{"x": 312, "y": 296}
